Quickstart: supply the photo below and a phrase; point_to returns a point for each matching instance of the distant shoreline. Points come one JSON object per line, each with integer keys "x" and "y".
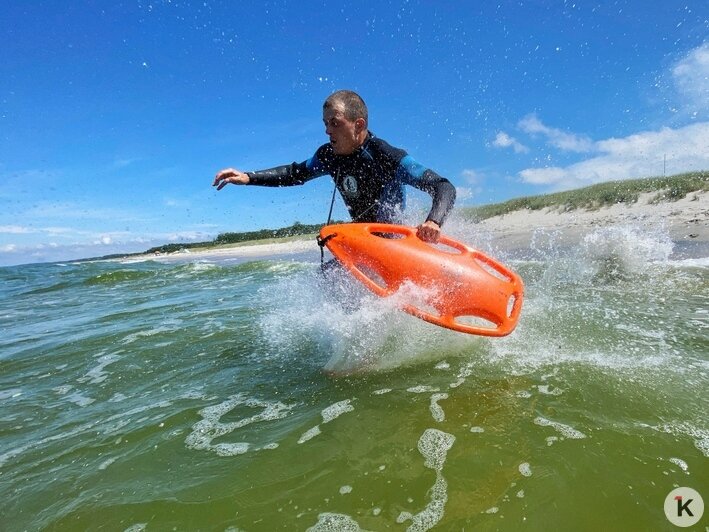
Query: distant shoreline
{"x": 685, "y": 220}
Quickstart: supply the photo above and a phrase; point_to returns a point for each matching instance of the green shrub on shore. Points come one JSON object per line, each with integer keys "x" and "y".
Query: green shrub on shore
{"x": 670, "y": 188}
{"x": 223, "y": 239}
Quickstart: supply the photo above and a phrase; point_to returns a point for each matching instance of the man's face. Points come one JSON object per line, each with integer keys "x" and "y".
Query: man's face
{"x": 344, "y": 134}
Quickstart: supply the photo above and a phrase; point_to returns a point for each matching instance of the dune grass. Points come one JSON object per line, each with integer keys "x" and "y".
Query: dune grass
{"x": 670, "y": 188}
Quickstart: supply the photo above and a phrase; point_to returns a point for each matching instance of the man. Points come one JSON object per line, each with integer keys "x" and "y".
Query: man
{"x": 369, "y": 173}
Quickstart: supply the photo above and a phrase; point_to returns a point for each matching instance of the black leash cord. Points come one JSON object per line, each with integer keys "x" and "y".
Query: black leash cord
{"x": 323, "y": 241}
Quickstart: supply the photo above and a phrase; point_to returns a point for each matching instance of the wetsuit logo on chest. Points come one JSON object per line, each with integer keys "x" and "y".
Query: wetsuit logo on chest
{"x": 350, "y": 186}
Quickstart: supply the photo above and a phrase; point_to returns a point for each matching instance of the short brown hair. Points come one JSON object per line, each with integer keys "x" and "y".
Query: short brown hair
{"x": 352, "y": 102}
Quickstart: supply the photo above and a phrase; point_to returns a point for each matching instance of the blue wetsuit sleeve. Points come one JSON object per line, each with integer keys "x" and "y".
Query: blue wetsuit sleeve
{"x": 288, "y": 175}
{"x": 439, "y": 188}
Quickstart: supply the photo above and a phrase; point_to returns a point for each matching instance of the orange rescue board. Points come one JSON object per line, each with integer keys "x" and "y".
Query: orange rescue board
{"x": 463, "y": 289}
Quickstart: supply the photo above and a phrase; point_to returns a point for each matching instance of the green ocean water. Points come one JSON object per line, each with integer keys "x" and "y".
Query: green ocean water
{"x": 191, "y": 395}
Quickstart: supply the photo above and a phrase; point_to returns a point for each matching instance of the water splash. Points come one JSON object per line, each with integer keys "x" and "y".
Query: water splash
{"x": 360, "y": 332}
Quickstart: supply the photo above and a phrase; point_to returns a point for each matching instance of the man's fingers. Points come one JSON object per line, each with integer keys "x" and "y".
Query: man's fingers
{"x": 222, "y": 175}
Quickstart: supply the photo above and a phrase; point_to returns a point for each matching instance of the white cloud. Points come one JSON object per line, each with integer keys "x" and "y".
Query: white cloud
{"x": 60, "y": 230}
{"x": 638, "y": 155}
{"x": 503, "y": 140}
{"x": 556, "y": 137}
{"x": 76, "y": 211}
{"x": 475, "y": 180}
{"x": 471, "y": 176}
{"x": 177, "y": 203}
{"x": 120, "y": 163}
{"x": 691, "y": 77}
{"x": 96, "y": 245}
{"x": 15, "y": 229}
{"x": 187, "y": 236}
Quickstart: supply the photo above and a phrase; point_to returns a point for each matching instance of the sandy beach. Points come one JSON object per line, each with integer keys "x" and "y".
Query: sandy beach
{"x": 686, "y": 221}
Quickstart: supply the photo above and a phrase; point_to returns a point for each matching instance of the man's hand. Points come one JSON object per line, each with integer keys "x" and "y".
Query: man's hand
{"x": 429, "y": 231}
{"x": 230, "y": 175}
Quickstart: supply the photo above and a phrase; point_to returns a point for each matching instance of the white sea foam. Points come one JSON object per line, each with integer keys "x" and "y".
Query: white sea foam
{"x": 309, "y": 434}
{"x": 344, "y": 490}
{"x": 464, "y": 372}
{"x": 210, "y": 427}
{"x": 564, "y": 430}
{"x": 525, "y": 469}
{"x": 681, "y": 463}
{"x": 422, "y": 389}
{"x": 547, "y": 390}
{"x": 430, "y": 516}
{"x": 329, "y": 413}
{"x": 434, "y": 446}
{"x": 336, "y": 410}
{"x": 477, "y": 429}
{"x": 381, "y": 392}
{"x": 700, "y": 436}
{"x": 138, "y": 527}
{"x": 436, "y": 410}
{"x": 104, "y": 465}
{"x": 331, "y": 522}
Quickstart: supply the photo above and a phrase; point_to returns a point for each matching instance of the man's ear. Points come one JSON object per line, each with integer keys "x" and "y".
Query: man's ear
{"x": 359, "y": 125}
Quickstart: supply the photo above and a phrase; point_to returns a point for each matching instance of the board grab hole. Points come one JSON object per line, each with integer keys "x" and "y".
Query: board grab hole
{"x": 424, "y": 308}
{"x": 492, "y": 271}
{"x": 372, "y": 275}
{"x": 445, "y": 248}
{"x": 511, "y": 304}
{"x": 475, "y": 321}
{"x": 388, "y": 236}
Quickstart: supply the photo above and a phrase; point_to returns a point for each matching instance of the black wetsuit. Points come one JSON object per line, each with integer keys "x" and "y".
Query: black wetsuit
{"x": 371, "y": 180}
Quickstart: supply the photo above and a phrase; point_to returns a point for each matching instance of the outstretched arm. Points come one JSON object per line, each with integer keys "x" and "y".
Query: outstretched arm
{"x": 280, "y": 176}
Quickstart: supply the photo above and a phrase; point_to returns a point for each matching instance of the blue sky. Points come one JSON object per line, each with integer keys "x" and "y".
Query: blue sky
{"x": 114, "y": 117}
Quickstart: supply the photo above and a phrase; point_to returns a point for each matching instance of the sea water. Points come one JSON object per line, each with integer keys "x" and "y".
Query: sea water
{"x": 234, "y": 395}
